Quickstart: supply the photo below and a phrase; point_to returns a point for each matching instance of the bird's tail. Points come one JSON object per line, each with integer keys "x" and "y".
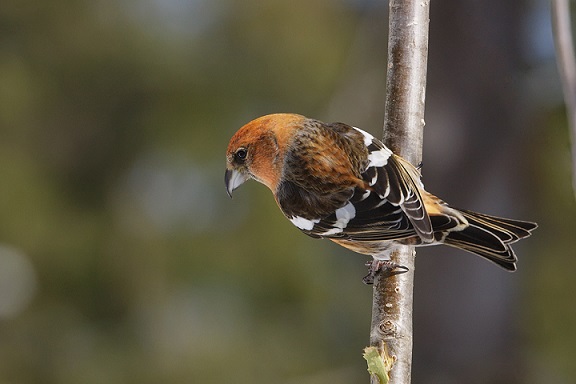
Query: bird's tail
{"x": 490, "y": 237}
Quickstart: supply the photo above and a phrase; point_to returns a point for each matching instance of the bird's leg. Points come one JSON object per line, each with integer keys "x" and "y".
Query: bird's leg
{"x": 388, "y": 267}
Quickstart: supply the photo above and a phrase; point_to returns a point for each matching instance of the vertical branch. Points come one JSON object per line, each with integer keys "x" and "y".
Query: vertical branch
{"x": 406, "y": 77}
{"x": 567, "y": 68}
{"x": 391, "y": 330}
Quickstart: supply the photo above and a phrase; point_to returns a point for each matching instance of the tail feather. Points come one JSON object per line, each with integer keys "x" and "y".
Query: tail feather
{"x": 490, "y": 237}
{"x": 509, "y": 230}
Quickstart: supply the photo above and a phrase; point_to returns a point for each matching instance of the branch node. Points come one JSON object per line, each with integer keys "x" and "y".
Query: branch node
{"x": 388, "y": 329}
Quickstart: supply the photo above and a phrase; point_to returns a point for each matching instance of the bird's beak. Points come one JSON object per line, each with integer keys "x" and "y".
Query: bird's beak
{"x": 234, "y": 179}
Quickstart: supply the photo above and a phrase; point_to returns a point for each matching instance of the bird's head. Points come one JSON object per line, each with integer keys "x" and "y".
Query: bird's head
{"x": 257, "y": 150}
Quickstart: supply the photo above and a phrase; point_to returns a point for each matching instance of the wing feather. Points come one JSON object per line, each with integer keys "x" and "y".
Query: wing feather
{"x": 389, "y": 206}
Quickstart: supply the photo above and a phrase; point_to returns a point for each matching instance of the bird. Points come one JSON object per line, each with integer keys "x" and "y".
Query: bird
{"x": 336, "y": 181}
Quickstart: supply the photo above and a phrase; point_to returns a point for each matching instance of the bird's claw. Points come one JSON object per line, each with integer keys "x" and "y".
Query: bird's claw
{"x": 388, "y": 267}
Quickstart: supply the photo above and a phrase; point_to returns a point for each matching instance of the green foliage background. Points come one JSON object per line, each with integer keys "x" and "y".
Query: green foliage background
{"x": 122, "y": 260}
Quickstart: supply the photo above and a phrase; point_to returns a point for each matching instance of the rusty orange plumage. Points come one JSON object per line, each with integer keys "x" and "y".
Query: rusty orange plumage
{"x": 338, "y": 182}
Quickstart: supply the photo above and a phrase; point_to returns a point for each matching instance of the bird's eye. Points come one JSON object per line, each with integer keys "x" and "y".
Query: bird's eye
{"x": 241, "y": 154}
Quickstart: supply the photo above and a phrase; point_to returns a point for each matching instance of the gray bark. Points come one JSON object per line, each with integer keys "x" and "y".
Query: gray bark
{"x": 403, "y": 131}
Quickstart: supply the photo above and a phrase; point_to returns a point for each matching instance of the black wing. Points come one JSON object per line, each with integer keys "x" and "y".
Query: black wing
{"x": 391, "y": 207}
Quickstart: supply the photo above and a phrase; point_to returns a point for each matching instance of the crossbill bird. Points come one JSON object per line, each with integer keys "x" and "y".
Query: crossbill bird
{"x": 338, "y": 182}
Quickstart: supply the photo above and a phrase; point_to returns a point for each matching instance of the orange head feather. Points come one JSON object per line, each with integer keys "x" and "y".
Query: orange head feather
{"x": 257, "y": 150}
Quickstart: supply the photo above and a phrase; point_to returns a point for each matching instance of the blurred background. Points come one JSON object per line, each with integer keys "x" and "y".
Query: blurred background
{"x": 122, "y": 259}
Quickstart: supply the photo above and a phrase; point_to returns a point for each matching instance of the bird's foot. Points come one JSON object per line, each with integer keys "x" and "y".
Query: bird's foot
{"x": 388, "y": 267}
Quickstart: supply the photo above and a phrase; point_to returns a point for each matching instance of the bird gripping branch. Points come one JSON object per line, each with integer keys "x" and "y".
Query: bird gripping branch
{"x": 338, "y": 182}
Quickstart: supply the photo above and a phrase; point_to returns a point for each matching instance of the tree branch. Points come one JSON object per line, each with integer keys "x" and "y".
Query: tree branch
{"x": 391, "y": 330}
{"x": 567, "y": 68}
